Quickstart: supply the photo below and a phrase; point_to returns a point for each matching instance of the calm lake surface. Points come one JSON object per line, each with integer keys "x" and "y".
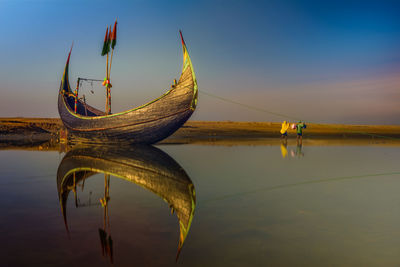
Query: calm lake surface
{"x": 229, "y": 205}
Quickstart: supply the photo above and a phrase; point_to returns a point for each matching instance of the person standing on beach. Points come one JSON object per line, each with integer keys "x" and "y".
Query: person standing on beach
{"x": 285, "y": 127}
{"x": 300, "y": 126}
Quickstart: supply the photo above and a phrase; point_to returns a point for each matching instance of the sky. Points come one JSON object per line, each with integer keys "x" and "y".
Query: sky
{"x": 319, "y": 61}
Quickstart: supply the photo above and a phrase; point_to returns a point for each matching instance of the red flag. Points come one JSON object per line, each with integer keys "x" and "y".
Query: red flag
{"x": 114, "y": 35}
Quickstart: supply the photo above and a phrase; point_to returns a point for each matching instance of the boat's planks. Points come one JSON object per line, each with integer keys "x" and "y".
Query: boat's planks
{"x": 148, "y": 124}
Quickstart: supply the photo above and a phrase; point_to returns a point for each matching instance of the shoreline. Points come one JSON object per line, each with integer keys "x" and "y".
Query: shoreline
{"x": 38, "y": 130}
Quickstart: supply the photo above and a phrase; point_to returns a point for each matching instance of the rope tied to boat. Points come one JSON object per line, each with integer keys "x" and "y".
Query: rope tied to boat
{"x": 251, "y": 107}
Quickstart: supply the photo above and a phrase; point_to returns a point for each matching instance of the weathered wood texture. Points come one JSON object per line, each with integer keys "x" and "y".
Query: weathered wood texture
{"x": 148, "y": 124}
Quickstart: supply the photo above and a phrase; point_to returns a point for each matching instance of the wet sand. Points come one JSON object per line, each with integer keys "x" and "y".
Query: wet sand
{"x": 269, "y": 132}
{"x": 19, "y": 131}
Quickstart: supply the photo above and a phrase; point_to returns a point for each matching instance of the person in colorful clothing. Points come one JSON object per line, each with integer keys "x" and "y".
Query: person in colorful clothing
{"x": 300, "y": 126}
{"x": 285, "y": 127}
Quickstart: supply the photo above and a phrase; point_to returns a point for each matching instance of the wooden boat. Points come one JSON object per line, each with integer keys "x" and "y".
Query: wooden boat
{"x": 144, "y": 165}
{"x": 149, "y": 123}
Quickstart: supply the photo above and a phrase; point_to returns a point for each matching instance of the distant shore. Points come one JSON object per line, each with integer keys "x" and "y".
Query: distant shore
{"x": 222, "y": 132}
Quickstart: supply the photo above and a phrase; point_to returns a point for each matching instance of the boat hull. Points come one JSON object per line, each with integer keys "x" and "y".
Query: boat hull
{"x": 130, "y": 127}
{"x": 147, "y": 124}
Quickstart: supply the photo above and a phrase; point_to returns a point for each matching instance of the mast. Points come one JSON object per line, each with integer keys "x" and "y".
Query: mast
{"x": 113, "y": 40}
{"x": 106, "y": 109}
{"x": 106, "y": 83}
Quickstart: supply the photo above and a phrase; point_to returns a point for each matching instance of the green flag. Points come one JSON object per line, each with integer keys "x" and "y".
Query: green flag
{"x": 106, "y": 45}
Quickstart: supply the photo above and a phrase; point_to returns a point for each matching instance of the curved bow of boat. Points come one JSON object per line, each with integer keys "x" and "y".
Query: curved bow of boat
{"x": 64, "y": 86}
{"x": 187, "y": 63}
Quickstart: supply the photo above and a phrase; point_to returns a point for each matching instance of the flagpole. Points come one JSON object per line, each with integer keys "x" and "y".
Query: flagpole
{"x": 106, "y": 49}
{"x": 108, "y": 102}
{"x": 109, "y": 74}
{"x": 112, "y": 52}
{"x": 110, "y": 35}
{"x": 113, "y": 40}
{"x": 107, "y": 86}
{"x": 109, "y": 78}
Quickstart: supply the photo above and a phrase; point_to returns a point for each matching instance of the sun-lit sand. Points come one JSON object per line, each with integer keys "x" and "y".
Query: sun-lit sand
{"x": 221, "y": 133}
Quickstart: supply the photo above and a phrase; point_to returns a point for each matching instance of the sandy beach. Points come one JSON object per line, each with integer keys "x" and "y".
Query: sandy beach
{"x": 38, "y": 130}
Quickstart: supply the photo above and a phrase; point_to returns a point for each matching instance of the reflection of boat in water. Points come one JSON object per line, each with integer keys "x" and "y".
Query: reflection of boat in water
{"x": 146, "y": 166}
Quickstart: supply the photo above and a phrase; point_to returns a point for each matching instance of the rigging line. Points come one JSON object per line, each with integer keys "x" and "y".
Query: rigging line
{"x": 291, "y": 117}
{"x": 271, "y": 188}
{"x": 88, "y": 79}
{"x": 248, "y": 106}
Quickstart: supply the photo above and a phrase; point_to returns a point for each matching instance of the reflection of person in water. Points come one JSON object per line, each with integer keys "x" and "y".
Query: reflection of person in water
{"x": 284, "y": 149}
{"x": 299, "y": 152}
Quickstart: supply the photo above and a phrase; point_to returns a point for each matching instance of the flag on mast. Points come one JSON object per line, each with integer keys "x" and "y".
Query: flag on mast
{"x": 106, "y": 45}
{"x": 114, "y": 35}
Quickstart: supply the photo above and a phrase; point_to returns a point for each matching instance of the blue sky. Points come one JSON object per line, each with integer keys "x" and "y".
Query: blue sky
{"x": 322, "y": 61}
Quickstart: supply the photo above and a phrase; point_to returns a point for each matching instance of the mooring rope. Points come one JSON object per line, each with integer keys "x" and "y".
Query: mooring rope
{"x": 249, "y": 106}
{"x": 291, "y": 117}
{"x": 282, "y": 115}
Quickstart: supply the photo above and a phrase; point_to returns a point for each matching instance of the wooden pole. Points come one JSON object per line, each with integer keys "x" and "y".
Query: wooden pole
{"x": 106, "y": 109}
{"x": 109, "y": 100}
{"x": 109, "y": 78}
{"x": 112, "y": 52}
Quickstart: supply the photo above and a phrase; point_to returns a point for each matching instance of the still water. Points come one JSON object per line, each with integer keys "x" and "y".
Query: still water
{"x": 191, "y": 205}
